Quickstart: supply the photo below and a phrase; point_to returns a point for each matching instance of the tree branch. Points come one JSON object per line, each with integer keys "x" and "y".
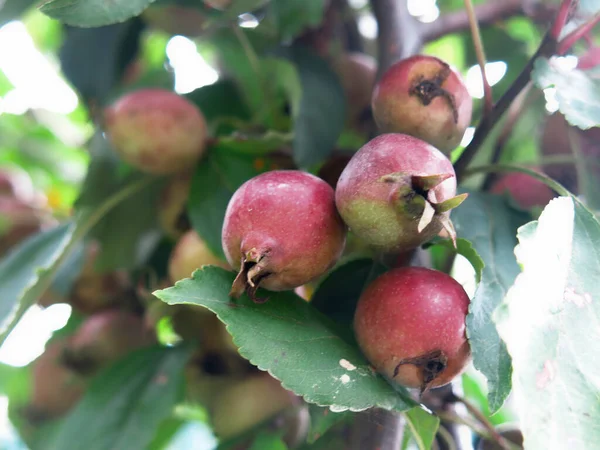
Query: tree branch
{"x": 399, "y": 32}
{"x": 487, "y": 14}
{"x": 547, "y": 48}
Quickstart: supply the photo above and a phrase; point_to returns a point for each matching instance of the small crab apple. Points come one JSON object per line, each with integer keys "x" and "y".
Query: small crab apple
{"x": 189, "y": 254}
{"x": 104, "y": 338}
{"x": 356, "y": 72}
{"x": 397, "y": 192}
{"x": 281, "y": 231}
{"x": 156, "y": 131}
{"x": 172, "y": 206}
{"x": 410, "y": 324}
{"x": 55, "y": 389}
{"x": 248, "y": 403}
{"x": 526, "y": 191}
{"x": 424, "y": 97}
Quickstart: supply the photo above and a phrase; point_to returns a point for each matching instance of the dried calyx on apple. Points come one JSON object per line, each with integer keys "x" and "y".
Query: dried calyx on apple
{"x": 397, "y": 192}
{"x": 410, "y": 324}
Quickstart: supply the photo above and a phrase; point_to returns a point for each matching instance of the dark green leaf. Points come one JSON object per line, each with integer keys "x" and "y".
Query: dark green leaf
{"x": 294, "y": 16}
{"x": 165, "y": 432}
{"x": 213, "y": 184}
{"x": 135, "y": 395}
{"x": 490, "y": 224}
{"x": 129, "y": 232}
{"x": 218, "y": 100}
{"x": 25, "y": 272}
{"x": 549, "y": 321}
{"x": 578, "y": 94}
{"x": 422, "y": 427}
{"x": 95, "y": 73}
{"x": 268, "y": 441}
{"x": 338, "y": 294}
{"x": 465, "y": 248}
{"x": 319, "y": 117}
{"x": 293, "y": 341}
{"x": 255, "y": 145}
{"x": 93, "y": 13}
{"x": 12, "y": 9}
{"x": 322, "y": 419}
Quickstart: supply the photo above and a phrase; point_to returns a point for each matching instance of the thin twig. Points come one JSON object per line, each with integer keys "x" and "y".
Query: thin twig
{"x": 565, "y": 44}
{"x": 546, "y": 49}
{"x": 487, "y": 13}
{"x": 562, "y": 17}
{"x": 480, "y": 53}
{"x": 474, "y": 411}
{"x": 515, "y": 111}
{"x": 447, "y": 438}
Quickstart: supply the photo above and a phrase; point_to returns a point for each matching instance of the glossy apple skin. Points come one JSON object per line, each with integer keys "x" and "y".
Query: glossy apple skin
{"x": 526, "y": 191}
{"x": 191, "y": 253}
{"x": 410, "y": 312}
{"x": 290, "y": 216}
{"x": 397, "y": 109}
{"x": 364, "y": 201}
{"x": 156, "y": 131}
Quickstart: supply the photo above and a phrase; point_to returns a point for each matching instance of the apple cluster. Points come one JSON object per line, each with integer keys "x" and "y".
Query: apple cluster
{"x": 285, "y": 229}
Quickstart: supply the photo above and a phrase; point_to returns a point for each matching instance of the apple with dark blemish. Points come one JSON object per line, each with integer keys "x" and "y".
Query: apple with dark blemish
{"x": 410, "y": 325}
{"x": 281, "y": 231}
{"x": 424, "y": 97}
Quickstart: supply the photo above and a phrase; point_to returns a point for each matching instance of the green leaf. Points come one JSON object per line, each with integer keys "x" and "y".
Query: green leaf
{"x": 465, "y": 248}
{"x": 322, "y": 419}
{"x": 338, "y": 294}
{"x": 319, "y": 117}
{"x": 93, "y": 13}
{"x": 294, "y": 16}
{"x": 490, "y": 224}
{"x": 95, "y": 74}
{"x": 294, "y": 342}
{"x": 253, "y": 144}
{"x": 221, "y": 99}
{"x": 578, "y": 94}
{"x": 214, "y": 182}
{"x": 268, "y": 441}
{"x": 25, "y": 273}
{"x": 135, "y": 395}
{"x": 549, "y": 321}
{"x": 129, "y": 232}
{"x": 422, "y": 427}
{"x": 13, "y": 9}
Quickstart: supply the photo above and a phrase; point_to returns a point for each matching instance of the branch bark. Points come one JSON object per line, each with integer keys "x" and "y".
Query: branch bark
{"x": 399, "y": 33}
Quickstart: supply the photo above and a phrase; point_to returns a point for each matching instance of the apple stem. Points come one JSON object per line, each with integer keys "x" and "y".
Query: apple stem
{"x": 481, "y": 59}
